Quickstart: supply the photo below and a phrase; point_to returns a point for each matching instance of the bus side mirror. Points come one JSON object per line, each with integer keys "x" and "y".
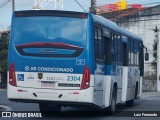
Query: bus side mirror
{"x": 146, "y": 56}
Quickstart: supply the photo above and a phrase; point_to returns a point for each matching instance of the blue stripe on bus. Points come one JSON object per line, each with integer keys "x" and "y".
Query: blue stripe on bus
{"x": 108, "y": 69}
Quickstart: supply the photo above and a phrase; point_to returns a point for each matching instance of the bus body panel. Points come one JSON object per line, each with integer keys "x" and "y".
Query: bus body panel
{"x": 140, "y": 86}
{"x": 117, "y": 78}
{"x": 99, "y": 78}
{"x": 51, "y": 95}
{"x": 133, "y": 78}
{"x": 124, "y": 84}
{"x": 107, "y": 91}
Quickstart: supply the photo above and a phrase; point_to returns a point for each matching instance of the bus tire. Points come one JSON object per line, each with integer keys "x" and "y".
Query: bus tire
{"x": 49, "y": 110}
{"x": 130, "y": 103}
{"x": 136, "y": 91}
{"x": 112, "y": 108}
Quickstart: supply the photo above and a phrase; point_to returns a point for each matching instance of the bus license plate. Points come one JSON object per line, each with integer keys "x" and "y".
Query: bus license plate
{"x": 47, "y": 84}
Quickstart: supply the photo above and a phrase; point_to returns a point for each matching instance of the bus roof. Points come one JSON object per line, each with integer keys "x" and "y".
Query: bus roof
{"x": 113, "y": 26}
{"x": 28, "y": 13}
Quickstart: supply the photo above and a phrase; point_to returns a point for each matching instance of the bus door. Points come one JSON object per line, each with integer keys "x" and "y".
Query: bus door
{"x": 99, "y": 66}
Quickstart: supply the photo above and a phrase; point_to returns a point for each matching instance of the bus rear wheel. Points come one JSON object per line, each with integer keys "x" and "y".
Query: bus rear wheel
{"x": 112, "y": 108}
{"x": 130, "y": 103}
{"x": 49, "y": 109}
{"x": 136, "y": 92}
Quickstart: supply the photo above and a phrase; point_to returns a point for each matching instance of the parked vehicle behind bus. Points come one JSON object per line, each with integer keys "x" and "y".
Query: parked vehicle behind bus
{"x": 61, "y": 58}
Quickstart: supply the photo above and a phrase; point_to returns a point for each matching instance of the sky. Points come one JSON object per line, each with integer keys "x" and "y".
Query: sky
{"x": 6, "y": 11}
{"x": 70, "y": 5}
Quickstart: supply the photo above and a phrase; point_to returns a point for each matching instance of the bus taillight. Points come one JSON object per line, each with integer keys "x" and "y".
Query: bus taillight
{"x": 86, "y": 78}
{"x": 12, "y": 76}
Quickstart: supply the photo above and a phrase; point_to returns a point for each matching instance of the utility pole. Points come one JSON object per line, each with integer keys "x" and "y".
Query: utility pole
{"x": 93, "y": 6}
{"x": 13, "y": 5}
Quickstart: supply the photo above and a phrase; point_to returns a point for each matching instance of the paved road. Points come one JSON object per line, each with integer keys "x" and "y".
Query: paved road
{"x": 148, "y": 102}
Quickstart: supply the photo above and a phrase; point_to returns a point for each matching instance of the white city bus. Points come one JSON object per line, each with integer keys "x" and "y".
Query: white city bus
{"x": 60, "y": 58}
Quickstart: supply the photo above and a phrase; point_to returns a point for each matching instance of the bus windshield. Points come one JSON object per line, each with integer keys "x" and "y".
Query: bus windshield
{"x": 50, "y": 29}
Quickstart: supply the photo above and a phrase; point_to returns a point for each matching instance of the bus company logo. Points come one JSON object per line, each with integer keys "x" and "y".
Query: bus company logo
{"x": 48, "y": 51}
{"x": 20, "y": 77}
{"x": 26, "y": 68}
{"x": 40, "y": 75}
{"x": 30, "y": 76}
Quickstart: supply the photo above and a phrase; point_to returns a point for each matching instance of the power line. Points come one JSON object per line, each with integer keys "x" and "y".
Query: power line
{"x": 4, "y": 3}
{"x": 85, "y": 5}
{"x": 81, "y": 6}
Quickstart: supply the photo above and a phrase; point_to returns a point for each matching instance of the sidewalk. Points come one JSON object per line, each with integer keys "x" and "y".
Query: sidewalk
{"x": 149, "y": 94}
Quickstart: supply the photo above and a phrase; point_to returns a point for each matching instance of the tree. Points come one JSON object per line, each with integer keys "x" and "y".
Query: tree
{"x": 4, "y": 41}
{"x": 154, "y": 62}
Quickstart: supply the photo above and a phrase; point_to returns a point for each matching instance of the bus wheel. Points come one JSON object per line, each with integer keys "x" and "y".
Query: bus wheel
{"x": 130, "y": 103}
{"x": 112, "y": 107}
{"x": 49, "y": 110}
{"x": 136, "y": 91}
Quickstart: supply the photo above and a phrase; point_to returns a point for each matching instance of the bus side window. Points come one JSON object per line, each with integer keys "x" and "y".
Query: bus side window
{"x": 113, "y": 49}
{"x": 117, "y": 49}
{"x": 125, "y": 54}
{"x": 125, "y": 51}
{"x": 136, "y": 51}
{"x": 95, "y": 33}
{"x": 107, "y": 44}
{"x": 99, "y": 46}
{"x": 130, "y": 51}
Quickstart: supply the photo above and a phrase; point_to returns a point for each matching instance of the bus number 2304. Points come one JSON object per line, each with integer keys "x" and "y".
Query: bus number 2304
{"x": 73, "y": 78}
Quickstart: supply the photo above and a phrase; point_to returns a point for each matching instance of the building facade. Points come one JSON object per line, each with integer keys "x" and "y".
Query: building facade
{"x": 142, "y": 23}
